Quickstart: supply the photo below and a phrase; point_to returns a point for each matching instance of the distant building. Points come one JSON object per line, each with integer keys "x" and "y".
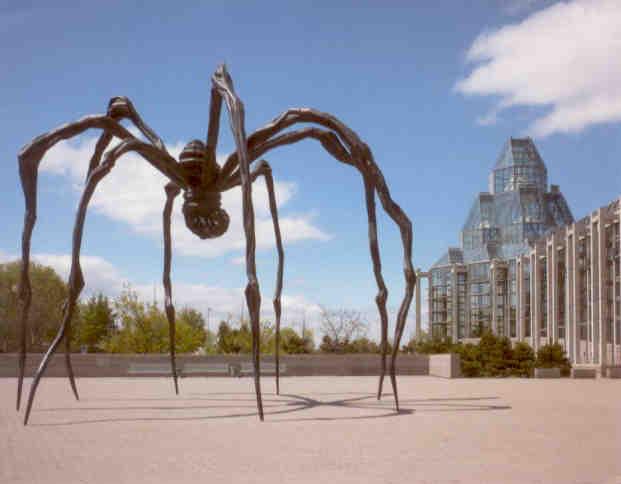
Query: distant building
{"x": 525, "y": 270}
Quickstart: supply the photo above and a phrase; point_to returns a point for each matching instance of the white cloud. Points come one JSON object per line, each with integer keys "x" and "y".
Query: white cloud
{"x": 565, "y": 56}
{"x": 99, "y": 274}
{"x": 133, "y": 193}
{"x": 238, "y": 261}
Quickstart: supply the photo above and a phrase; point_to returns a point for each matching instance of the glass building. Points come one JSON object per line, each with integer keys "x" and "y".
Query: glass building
{"x": 525, "y": 270}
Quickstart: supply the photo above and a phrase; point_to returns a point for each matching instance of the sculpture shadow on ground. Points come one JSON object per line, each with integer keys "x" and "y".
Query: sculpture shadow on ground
{"x": 297, "y": 403}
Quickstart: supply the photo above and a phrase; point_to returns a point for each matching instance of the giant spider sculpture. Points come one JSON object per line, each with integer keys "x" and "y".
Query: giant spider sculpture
{"x": 202, "y": 181}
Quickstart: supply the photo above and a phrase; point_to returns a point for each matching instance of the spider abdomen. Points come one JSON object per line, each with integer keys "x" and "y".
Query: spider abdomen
{"x": 204, "y": 215}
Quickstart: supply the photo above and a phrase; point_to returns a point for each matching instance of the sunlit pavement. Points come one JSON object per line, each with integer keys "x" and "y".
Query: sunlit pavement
{"x": 320, "y": 429}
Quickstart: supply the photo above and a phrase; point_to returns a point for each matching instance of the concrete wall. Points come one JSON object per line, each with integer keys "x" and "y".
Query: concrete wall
{"x": 116, "y": 365}
{"x": 445, "y": 365}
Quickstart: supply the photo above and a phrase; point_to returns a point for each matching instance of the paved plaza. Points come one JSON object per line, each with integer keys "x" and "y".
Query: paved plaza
{"x": 320, "y": 430}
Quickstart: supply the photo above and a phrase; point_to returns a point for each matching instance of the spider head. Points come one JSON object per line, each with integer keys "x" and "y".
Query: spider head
{"x": 199, "y": 165}
{"x": 203, "y": 214}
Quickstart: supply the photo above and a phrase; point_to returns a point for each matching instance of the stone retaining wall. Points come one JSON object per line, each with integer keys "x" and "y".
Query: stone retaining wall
{"x": 117, "y": 365}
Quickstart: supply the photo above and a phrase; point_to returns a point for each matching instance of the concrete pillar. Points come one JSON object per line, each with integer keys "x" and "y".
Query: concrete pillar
{"x": 519, "y": 308}
{"x": 429, "y": 303}
{"x": 570, "y": 290}
{"x": 419, "y": 280}
{"x": 492, "y": 294}
{"x": 595, "y": 289}
{"x": 602, "y": 277}
{"x": 552, "y": 290}
{"x": 615, "y": 336}
{"x": 454, "y": 333}
{"x": 579, "y": 279}
{"x": 535, "y": 300}
{"x": 467, "y": 328}
{"x": 507, "y": 306}
{"x": 615, "y": 287}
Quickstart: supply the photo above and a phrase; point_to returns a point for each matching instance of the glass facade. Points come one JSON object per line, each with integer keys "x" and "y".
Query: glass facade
{"x": 527, "y": 271}
{"x": 501, "y": 224}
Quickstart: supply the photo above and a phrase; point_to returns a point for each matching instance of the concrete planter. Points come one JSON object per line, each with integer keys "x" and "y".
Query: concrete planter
{"x": 584, "y": 373}
{"x": 445, "y": 365}
{"x": 547, "y": 372}
{"x": 613, "y": 372}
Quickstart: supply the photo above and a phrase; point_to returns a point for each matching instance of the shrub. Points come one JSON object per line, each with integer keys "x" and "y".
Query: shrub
{"x": 470, "y": 357}
{"x": 429, "y": 346}
{"x": 553, "y": 356}
{"x": 493, "y": 356}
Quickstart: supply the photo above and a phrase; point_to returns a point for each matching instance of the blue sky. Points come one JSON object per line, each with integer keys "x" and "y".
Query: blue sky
{"x": 435, "y": 89}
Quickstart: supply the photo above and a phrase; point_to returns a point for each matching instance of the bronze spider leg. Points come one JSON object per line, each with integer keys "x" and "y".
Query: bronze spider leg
{"x": 382, "y": 294}
{"x": 223, "y": 84}
{"x": 29, "y": 158}
{"x": 76, "y": 280}
{"x": 172, "y": 191}
{"x": 264, "y": 169}
{"x": 360, "y": 156}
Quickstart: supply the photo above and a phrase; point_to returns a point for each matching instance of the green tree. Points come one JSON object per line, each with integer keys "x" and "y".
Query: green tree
{"x": 94, "y": 323}
{"x": 48, "y": 295}
{"x": 143, "y": 328}
{"x": 293, "y": 344}
{"x": 239, "y": 340}
{"x": 192, "y": 317}
{"x": 191, "y": 334}
{"x": 224, "y": 339}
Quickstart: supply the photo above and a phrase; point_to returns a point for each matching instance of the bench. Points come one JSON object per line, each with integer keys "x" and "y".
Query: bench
{"x": 247, "y": 368}
{"x": 149, "y": 369}
{"x": 206, "y": 369}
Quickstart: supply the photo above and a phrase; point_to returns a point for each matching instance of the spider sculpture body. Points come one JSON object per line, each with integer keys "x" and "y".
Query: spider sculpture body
{"x": 202, "y": 181}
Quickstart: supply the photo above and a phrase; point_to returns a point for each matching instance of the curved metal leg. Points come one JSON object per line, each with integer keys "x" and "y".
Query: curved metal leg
{"x": 76, "y": 282}
{"x": 68, "y": 365}
{"x": 76, "y": 279}
{"x": 29, "y": 159}
{"x": 382, "y": 294}
{"x": 265, "y": 169}
{"x": 224, "y": 85}
{"x": 345, "y": 145}
{"x": 171, "y": 192}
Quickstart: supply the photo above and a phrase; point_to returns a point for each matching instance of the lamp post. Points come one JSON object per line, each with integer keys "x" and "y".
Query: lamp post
{"x": 208, "y": 314}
